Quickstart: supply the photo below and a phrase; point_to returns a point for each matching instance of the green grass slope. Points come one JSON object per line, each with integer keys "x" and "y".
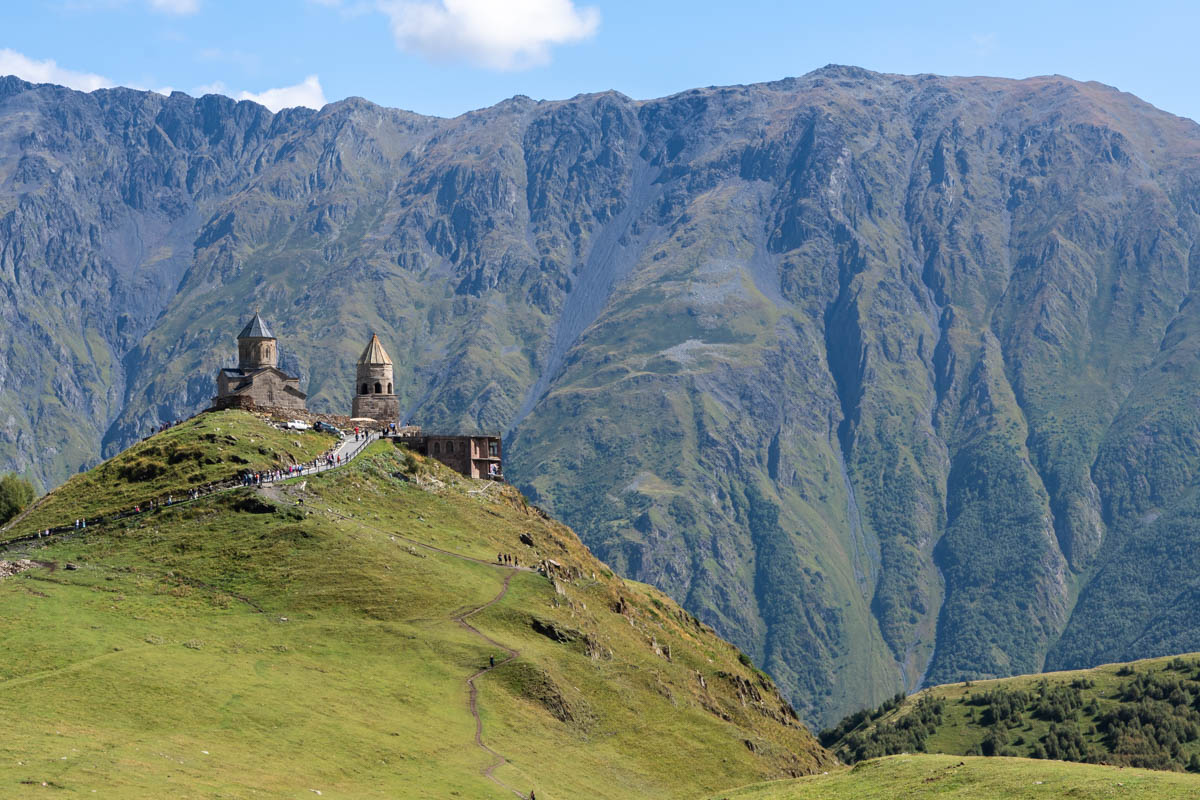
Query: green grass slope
{"x": 318, "y": 636}
{"x": 970, "y": 778}
{"x": 1140, "y": 714}
{"x": 208, "y": 448}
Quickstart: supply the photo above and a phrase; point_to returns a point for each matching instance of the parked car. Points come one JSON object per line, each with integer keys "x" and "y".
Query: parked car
{"x": 298, "y": 425}
{"x": 325, "y": 427}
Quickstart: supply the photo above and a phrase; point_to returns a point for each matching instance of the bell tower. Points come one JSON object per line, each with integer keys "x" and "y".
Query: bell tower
{"x": 374, "y": 395}
{"x": 257, "y": 347}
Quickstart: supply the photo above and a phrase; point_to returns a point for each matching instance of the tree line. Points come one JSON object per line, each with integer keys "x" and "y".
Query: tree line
{"x": 1150, "y": 719}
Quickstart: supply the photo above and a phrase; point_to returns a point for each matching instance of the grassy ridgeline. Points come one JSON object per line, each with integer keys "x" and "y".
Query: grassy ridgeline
{"x": 1140, "y": 714}
{"x": 207, "y": 448}
{"x": 272, "y": 643}
{"x": 971, "y": 778}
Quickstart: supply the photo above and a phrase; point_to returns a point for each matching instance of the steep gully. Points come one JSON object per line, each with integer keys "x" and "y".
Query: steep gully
{"x": 610, "y": 260}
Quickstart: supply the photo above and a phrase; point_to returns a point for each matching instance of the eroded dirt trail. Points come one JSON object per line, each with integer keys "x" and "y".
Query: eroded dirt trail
{"x": 473, "y": 692}
{"x": 498, "y": 760}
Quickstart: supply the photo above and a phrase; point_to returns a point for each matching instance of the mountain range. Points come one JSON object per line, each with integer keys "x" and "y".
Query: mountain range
{"x": 890, "y": 379}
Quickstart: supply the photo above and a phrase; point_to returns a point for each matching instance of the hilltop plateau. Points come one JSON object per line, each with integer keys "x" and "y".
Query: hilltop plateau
{"x": 318, "y": 635}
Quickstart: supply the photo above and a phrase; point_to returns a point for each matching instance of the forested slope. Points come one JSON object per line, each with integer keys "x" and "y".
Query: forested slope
{"x": 1140, "y": 714}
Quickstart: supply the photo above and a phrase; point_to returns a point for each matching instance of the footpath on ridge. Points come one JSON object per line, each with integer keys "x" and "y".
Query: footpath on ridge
{"x": 346, "y": 451}
{"x": 473, "y": 693}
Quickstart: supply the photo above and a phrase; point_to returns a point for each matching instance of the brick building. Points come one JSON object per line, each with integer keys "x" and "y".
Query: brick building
{"x": 257, "y": 381}
{"x": 473, "y": 456}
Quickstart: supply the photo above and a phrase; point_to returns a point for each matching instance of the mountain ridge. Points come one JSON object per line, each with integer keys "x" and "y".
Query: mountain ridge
{"x": 882, "y": 376}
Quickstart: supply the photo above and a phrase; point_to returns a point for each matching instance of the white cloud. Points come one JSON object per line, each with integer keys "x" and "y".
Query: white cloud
{"x": 308, "y": 93}
{"x": 176, "y": 6}
{"x": 48, "y": 71}
{"x": 501, "y": 35}
{"x": 216, "y": 87}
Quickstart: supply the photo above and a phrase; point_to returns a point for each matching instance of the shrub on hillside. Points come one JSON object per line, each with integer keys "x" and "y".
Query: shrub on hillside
{"x": 906, "y": 734}
{"x": 16, "y": 494}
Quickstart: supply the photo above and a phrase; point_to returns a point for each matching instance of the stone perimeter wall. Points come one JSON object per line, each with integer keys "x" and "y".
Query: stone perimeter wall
{"x": 340, "y": 421}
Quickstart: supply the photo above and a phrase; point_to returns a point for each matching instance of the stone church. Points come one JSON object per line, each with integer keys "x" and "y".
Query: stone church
{"x": 257, "y": 381}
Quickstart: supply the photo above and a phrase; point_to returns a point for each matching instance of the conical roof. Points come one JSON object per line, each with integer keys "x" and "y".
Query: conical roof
{"x": 374, "y": 354}
{"x": 256, "y": 329}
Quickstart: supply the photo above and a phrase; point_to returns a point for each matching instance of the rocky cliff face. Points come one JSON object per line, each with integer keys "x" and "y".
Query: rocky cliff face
{"x": 891, "y": 379}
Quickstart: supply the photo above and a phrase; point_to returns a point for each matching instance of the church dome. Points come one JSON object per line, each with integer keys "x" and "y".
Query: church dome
{"x": 256, "y": 329}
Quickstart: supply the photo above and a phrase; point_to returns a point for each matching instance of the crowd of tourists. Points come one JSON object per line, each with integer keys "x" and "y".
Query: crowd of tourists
{"x": 165, "y": 426}
{"x": 271, "y": 475}
{"x": 322, "y": 462}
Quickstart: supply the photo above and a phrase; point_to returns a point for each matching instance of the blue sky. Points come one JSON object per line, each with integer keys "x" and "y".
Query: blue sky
{"x": 445, "y": 57}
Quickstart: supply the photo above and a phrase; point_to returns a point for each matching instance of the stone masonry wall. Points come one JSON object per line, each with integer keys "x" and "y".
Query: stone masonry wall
{"x": 382, "y": 407}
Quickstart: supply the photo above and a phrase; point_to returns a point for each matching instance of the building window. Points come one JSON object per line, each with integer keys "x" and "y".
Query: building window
{"x": 378, "y": 389}
{"x": 493, "y": 450}
{"x": 389, "y": 388}
{"x": 449, "y": 447}
{"x": 365, "y": 390}
{"x": 437, "y": 448}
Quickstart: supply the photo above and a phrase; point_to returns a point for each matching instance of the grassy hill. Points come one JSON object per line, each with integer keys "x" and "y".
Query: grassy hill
{"x": 318, "y": 636}
{"x": 1142, "y": 714}
{"x": 971, "y": 778}
{"x": 207, "y": 448}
